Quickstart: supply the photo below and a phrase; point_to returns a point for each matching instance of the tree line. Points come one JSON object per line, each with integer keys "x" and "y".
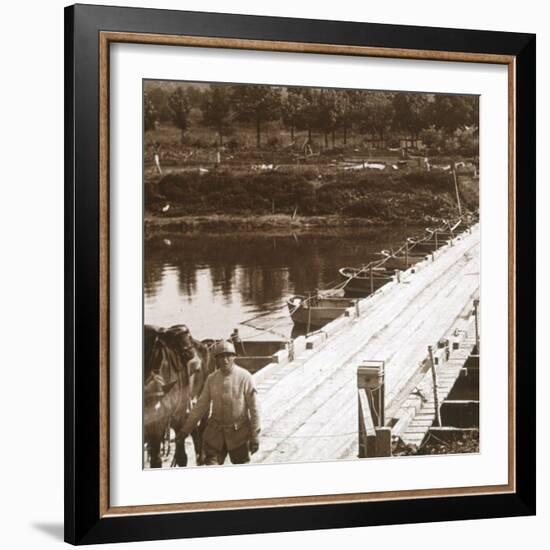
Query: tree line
{"x": 320, "y": 110}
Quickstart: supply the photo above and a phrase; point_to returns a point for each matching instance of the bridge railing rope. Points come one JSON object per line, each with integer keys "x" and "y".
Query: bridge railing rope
{"x": 405, "y": 252}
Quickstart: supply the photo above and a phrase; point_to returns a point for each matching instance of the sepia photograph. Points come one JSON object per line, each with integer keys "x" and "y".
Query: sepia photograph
{"x": 311, "y": 274}
{"x": 285, "y": 239}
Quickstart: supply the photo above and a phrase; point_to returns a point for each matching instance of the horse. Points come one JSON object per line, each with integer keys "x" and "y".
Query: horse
{"x": 176, "y": 367}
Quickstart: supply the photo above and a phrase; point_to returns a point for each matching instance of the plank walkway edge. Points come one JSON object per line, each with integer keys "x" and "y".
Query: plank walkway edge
{"x": 416, "y": 416}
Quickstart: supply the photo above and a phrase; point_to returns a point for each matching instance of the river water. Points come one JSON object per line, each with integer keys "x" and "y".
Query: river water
{"x": 214, "y": 283}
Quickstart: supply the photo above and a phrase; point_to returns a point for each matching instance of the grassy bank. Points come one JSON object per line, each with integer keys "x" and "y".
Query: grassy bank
{"x": 223, "y": 200}
{"x": 273, "y": 224}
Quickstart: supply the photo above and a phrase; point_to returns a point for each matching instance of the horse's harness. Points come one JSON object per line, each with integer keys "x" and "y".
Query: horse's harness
{"x": 185, "y": 365}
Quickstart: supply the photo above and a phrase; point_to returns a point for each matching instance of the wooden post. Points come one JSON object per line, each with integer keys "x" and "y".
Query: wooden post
{"x": 370, "y": 376}
{"x": 367, "y": 431}
{"x": 362, "y": 436}
{"x": 407, "y": 255}
{"x": 308, "y": 312}
{"x": 371, "y": 281}
{"x": 236, "y": 339}
{"x": 290, "y": 350}
{"x": 436, "y": 239}
{"x": 456, "y": 190}
{"x": 383, "y": 442}
{"x": 398, "y": 275}
{"x": 476, "y": 304}
{"x": 374, "y": 437}
{"x": 434, "y": 383}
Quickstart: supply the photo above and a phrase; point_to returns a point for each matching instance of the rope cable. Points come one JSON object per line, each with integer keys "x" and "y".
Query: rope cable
{"x": 330, "y": 291}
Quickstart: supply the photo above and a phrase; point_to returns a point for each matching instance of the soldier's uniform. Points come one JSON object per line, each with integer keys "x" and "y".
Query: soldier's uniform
{"x": 234, "y": 420}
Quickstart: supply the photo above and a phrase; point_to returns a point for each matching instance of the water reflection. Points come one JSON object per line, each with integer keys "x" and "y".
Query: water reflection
{"x": 212, "y": 283}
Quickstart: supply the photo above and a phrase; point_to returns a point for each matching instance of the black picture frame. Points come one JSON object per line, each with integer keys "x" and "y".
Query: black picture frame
{"x": 84, "y": 521}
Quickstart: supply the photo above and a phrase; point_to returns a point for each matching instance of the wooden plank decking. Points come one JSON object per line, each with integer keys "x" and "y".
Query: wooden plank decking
{"x": 417, "y": 424}
{"x": 309, "y": 406}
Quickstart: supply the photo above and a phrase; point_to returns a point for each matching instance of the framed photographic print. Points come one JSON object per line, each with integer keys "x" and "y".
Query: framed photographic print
{"x": 299, "y": 274}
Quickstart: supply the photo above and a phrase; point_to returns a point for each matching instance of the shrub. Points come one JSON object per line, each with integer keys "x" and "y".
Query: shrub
{"x": 273, "y": 142}
{"x": 368, "y": 208}
{"x": 395, "y": 195}
{"x": 233, "y": 144}
{"x": 200, "y": 143}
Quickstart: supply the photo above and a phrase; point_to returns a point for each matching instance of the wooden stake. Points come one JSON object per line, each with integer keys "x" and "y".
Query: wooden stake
{"x": 456, "y": 190}
{"x": 371, "y": 281}
{"x": 476, "y": 304}
{"x": 434, "y": 382}
{"x": 308, "y": 312}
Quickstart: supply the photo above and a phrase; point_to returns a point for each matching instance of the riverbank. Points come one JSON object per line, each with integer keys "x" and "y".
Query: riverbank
{"x": 224, "y": 201}
{"x": 276, "y": 224}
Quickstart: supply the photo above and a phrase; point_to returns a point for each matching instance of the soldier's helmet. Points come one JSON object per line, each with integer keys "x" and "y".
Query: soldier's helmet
{"x": 224, "y": 347}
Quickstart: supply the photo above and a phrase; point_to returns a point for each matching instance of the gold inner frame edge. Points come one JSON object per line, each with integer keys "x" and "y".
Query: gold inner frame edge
{"x": 105, "y": 39}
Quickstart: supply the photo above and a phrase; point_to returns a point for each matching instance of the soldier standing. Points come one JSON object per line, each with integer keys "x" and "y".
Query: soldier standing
{"x": 233, "y": 426}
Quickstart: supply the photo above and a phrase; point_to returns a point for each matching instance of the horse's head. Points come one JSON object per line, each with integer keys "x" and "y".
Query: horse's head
{"x": 180, "y": 338}
{"x": 176, "y": 369}
{"x": 171, "y": 355}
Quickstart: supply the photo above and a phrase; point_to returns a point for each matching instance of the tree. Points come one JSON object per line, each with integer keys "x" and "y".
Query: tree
{"x": 195, "y": 96}
{"x": 346, "y": 109}
{"x": 376, "y": 113}
{"x": 410, "y": 113}
{"x": 256, "y": 104}
{"x": 150, "y": 115}
{"x": 159, "y": 97}
{"x": 326, "y": 113}
{"x": 362, "y": 112}
{"x": 216, "y": 109}
{"x": 293, "y": 106}
{"x": 472, "y": 110}
{"x": 380, "y": 112}
{"x": 307, "y": 115}
{"x": 180, "y": 108}
{"x": 453, "y": 112}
